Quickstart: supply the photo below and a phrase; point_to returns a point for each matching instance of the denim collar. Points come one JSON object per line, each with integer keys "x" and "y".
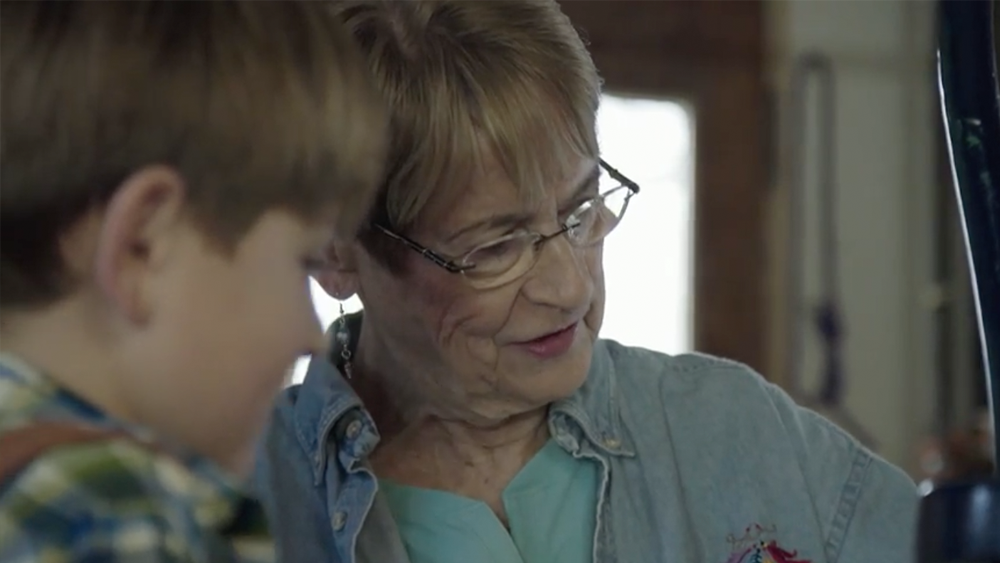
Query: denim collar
{"x": 324, "y": 400}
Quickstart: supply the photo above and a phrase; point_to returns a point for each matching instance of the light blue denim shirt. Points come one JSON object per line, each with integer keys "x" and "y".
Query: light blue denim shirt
{"x": 702, "y": 461}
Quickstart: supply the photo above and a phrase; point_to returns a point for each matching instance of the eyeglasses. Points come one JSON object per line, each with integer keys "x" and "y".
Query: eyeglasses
{"x": 509, "y": 257}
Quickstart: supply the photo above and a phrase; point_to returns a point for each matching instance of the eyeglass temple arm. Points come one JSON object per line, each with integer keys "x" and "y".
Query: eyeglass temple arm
{"x": 618, "y": 176}
{"x": 424, "y": 251}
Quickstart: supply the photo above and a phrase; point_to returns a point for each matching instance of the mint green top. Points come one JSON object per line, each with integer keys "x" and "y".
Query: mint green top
{"x": 551, "y": 506}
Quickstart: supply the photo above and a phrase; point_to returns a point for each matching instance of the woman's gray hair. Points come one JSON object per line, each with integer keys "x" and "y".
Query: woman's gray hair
{"x": 509, "y": 78}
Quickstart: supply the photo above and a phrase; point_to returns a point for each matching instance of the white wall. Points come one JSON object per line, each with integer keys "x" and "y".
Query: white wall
{"x": 883, "y": 54}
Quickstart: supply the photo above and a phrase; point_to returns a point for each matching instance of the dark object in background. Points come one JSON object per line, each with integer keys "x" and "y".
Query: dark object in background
{"x": 963, "y": 454}
{"x": 815, "y": 71}
{"x": 960, "y": 522}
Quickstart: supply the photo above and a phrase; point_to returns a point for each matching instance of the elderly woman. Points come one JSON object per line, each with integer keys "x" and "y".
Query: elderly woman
{"x": 472, "y": 414}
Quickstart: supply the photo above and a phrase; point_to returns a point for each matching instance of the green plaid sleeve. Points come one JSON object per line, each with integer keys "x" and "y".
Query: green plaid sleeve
{"x": 113, "y": 502}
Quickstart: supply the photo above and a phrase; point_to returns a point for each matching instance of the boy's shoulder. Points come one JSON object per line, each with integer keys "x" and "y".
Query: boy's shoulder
{"x": 104, "y": 493}
{"x": 118, "y": 500}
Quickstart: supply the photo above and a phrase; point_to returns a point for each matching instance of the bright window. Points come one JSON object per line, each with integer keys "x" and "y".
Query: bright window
{"x": 648, "y": 258}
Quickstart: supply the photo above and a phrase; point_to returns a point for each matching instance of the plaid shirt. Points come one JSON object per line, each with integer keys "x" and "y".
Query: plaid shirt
{"x": 115, "y": 500}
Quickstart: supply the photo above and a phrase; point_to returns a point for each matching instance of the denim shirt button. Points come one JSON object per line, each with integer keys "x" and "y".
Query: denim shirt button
{"x": 612, "y": 442}
{"x": 339, "y": 520}
{"x": 353, "y": 429}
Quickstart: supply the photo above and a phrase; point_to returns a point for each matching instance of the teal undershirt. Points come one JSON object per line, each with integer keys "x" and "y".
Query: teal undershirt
{"x": 551, "y": 506}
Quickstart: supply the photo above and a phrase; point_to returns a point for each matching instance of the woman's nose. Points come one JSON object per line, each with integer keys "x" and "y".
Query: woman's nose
{"x": 560, "y": 277}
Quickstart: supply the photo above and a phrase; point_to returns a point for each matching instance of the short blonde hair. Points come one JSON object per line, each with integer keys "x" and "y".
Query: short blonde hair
{"x": 463, "y": 77}
{"x": 258, "y": 105}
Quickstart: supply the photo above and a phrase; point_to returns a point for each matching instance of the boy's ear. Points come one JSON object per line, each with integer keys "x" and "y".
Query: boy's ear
{"x": 340, "y": 277}
{"x": 138, "y": 226}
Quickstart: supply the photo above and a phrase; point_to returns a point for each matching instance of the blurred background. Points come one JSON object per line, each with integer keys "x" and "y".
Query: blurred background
{"x": 797, "y": 212}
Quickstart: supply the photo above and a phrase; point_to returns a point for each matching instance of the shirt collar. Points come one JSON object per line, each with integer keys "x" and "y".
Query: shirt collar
{"x": 325, "y": 398}
{"x": 14, "y": 368}
{"x": 55, "y": 398}
{"x": 595, "y": 408}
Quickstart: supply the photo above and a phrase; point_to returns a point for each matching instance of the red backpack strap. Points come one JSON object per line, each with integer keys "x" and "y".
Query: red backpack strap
{"x": 21, "y": 446}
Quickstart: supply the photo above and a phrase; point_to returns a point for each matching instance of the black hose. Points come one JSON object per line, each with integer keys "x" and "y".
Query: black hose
{"x": 971, "y": 106}
{"x": 960, "y": 522}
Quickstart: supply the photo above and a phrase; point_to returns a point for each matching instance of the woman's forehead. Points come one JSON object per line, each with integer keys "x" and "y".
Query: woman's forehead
{"x": 491, "y": 193}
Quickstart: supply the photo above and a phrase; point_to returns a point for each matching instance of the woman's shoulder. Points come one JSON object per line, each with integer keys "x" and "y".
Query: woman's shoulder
{"x": 643, "y": 371}
{"x": 711, "y": 394}
{"x": 704, "y": 400}
{"x": 720, "y": 428}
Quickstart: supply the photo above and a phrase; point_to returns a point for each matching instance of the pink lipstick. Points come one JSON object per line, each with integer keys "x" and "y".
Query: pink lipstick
{"x": 552, "y": 344}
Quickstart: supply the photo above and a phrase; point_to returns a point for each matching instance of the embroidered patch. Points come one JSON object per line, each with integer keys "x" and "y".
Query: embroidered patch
{"x": 757, "y": 545}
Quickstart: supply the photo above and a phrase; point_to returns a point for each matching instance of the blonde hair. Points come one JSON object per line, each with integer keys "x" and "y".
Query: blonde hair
{"x": 258, "y": 105}
{"x": 463, "y": 78}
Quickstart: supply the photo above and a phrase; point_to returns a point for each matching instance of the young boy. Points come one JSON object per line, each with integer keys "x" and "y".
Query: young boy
{"x": 170, "y": 175}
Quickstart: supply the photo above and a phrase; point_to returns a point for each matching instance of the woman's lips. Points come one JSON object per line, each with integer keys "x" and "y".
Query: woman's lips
{"x": 552, "y": 345}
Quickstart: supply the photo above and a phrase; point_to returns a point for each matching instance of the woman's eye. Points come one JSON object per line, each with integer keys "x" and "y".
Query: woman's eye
{"x": 496, "y": 249}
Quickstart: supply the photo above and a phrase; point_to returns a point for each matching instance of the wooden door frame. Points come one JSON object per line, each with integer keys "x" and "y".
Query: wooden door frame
{"x": 711, "y": 54}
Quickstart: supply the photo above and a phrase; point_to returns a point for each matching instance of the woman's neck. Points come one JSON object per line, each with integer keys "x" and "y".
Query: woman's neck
{"x": 421, "y": 446}
{"x": 474, "y": 462}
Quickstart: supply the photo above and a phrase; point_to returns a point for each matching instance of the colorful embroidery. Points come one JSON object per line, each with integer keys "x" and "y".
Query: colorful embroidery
{"x": 755, "y": 546}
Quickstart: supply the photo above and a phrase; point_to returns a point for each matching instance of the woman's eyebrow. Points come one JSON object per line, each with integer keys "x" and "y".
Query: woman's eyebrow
{"x": 490, "y": 223}
{"x": 585, "y": 185}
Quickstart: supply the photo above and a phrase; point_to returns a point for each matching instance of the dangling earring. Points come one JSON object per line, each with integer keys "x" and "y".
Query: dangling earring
{"x": 344, "y": 341}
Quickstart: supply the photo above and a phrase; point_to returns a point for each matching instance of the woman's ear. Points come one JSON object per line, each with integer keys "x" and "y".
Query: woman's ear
{"x": 340, "y": 276}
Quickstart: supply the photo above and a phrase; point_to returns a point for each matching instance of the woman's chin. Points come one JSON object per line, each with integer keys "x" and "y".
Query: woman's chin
{"x": 560, "y": 377}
